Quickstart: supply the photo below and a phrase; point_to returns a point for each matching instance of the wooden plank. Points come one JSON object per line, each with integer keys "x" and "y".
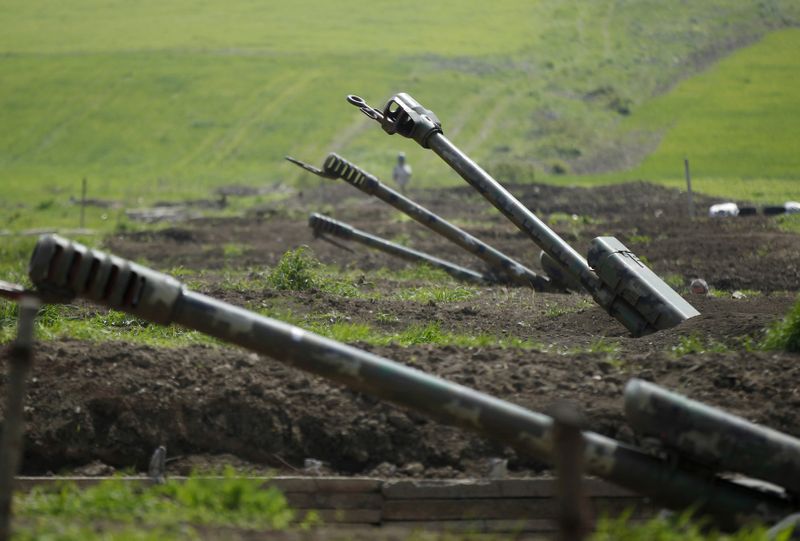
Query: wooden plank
{"x": 343, "y": 500}
{"x": 285, "y": 484}
{"x": 391, "y": 489}
{"x": 476, "y": 526}
{"x": 466, "y": 488}
{"x": 485, "y": 488}
{"x": 349, "y": 516}
{"x": 469, "y": 509}
{"x": 327, "y": 484}
{"x": 600, "y": 488}
{"x": 26, "y": 484}
{"x": 615, "y": 506}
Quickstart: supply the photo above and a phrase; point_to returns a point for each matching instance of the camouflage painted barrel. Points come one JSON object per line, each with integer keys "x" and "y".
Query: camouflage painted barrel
{"x": 498, "y": 262}
{"x": 61, "y": 270}
{"x": 323, "y": 224}
{"x": 713, "y": 437}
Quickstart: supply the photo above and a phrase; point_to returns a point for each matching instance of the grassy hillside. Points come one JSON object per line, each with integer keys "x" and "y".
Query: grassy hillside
{"x": 738, "y": 123}
{"x": 154, "y": 100}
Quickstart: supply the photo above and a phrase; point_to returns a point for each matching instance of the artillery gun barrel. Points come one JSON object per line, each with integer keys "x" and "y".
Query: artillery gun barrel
{"x": 501, "y": 264}
{"x": 713, "y": 437}
{"x": 323, "y": 224}
{"x": 61, "y": 269}
{"x": 616, "y": 279}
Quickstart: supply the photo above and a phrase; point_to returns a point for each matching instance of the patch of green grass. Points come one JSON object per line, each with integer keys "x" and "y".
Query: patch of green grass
{"x": 144, "y": 512}
{"x": 723, "y": 294}
{"x": 67, "y": 321}
{"x": 675, "y": 281}
{"x": 603, "y": 345}
{"x": 416, "y": 334}
{"x": 386, "y": 319}
{"x": 454, "y": 293}
{"x": 296, "y": 271}
{"x": 785, "y": 334}
{"x": 422, "y": 334}
{"x": 421, "y": 273}
{"x": 432, "y": 333}
{"x": 789, "y": 222}
{"x": 233, "y": 250}
{"x": 724, "y": 121}
{"x": 694, "y": 344}
{"x": 680, "y": 528}
{"x": 555, "y": 310}
{"x": 640, "y": 239}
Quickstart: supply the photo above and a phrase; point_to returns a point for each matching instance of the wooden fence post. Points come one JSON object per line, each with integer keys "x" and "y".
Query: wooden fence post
{"x": 21, "y": 357}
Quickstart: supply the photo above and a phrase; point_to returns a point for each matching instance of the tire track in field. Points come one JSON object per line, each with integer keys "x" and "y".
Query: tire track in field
{"x": 213, "y": 140}
{"x": 607, "y": 42}
{"x": 489, "y": 126}
{"x": 59, "y": 130}
{"x": 453, "y": 127}
{"x": 246, "y": 124}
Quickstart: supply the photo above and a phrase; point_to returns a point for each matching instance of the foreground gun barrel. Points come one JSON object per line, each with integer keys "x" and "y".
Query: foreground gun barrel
{"x": 617, "y": 280}
{"x": 337, "y": 167}
{"x": 323, "y": 224}
{"x": 713, "y": 437}
{"x": 62, "y": 269}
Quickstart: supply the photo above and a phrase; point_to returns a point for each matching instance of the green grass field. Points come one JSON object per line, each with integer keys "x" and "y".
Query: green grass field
{"x": 154, "y": 101}
{"x": 738, "y": 123}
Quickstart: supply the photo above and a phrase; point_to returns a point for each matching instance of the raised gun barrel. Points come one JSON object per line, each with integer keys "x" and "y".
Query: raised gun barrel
{"x": 323, "y": 224}
{"x": 712, "y": 437}
{"x": 500, "y": 264}
{"x": 63, "y": 269}
{"x": 621, "y": 284}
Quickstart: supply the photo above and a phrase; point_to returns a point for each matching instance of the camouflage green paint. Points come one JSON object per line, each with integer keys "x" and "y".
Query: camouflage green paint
{"x": 713, "y": 437}
{"x": 405, "y": 116}
{"x": 325, "y": 225}
{"x": 64, "y": 269}
{"x": 502, "y": 266}
{"x": 625, "y": 274}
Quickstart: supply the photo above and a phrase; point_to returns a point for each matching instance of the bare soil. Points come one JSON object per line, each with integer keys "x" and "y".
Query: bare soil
{"x": 112, "y": 404}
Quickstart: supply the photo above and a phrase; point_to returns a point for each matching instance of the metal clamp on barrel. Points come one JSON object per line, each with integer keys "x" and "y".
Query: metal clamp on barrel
{"x": 403, "y": 115}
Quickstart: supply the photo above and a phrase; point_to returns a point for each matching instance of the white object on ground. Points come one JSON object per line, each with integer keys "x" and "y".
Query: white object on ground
{"x": 723, "y": 209}
{"x": 699, "y": 286}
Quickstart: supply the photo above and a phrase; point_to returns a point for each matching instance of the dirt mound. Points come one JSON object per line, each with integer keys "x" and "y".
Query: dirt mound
{"x": 117, "y": 403}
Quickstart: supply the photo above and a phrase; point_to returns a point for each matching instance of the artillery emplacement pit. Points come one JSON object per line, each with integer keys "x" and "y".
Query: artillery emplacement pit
{"x": 94, "y": 409}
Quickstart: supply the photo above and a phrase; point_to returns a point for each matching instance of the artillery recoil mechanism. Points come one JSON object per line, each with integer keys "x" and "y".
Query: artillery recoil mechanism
{"x": 617, "y": 280}
{"x": 501, "y": 265}
{"x": 323, "y": 225}
{"x": 61, "y": 270}
{"x": 711, "y": 437}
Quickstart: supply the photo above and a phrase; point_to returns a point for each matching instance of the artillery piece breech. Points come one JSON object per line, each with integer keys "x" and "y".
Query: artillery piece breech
{"x": 61, "y": 269}
{"x": 617, "y": 280}
{"x": 324, "y": 225}
{"x": 506, "y": 268}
